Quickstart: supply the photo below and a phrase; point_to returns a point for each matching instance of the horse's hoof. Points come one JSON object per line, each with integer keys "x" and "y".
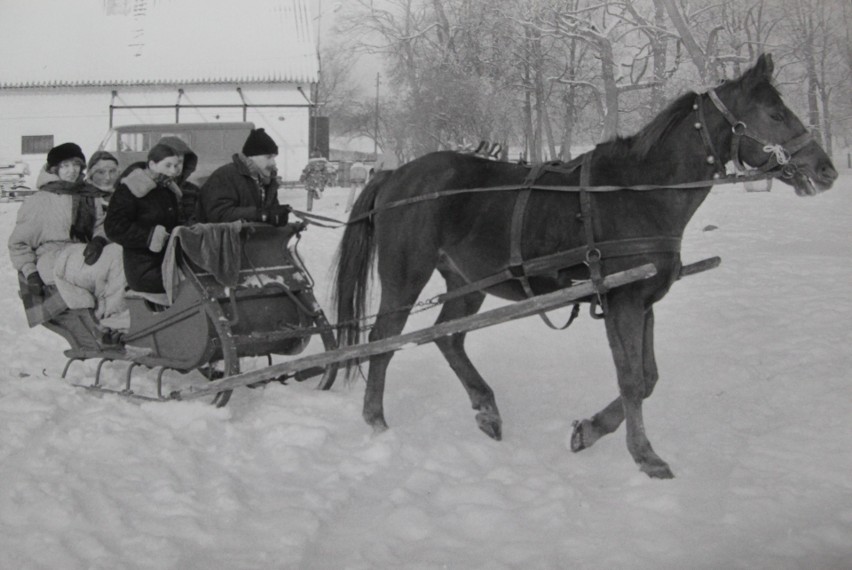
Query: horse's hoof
{"x": 378, "y": 424}
{"x": 491, "y": 424}
{"x": 582, "y": 436}
{"x": 659, "y": 470}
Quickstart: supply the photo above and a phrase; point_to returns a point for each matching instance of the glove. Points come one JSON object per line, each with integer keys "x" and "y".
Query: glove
{"x": 93, "y": 250}
{"x": 158, "y": 239}
{"x": 282, "y": 214}
{"x": 275, "y": 215}
{"x": 35, "y": 285}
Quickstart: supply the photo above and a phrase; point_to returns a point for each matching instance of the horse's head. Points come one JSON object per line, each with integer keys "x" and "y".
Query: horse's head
{"x": 768, "y": 135}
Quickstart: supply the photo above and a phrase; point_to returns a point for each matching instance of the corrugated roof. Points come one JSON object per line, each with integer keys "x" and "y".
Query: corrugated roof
{"x": 132, "y": 42}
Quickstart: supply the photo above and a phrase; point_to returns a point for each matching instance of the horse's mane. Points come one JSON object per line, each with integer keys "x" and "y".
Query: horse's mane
{"x": 642, "y": 143}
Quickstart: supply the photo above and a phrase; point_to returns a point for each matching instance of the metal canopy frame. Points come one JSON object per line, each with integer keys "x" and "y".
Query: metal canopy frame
{"x": 245, "y": 105}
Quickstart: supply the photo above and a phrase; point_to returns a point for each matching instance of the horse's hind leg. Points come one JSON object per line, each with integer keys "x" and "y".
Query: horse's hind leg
{"x": 396, "y": 292}
{"x": 588, "y": 431}
{"x": 452, "y": 347}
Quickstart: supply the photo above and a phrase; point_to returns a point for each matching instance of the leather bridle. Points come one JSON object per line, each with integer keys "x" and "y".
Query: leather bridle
{"x": 780, "y": 154}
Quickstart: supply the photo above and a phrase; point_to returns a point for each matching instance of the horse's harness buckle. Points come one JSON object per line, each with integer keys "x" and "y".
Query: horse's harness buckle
{"x": 593, "y": 255}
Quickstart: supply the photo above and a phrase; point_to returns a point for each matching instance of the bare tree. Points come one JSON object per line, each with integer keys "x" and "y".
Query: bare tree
{"x": 439, "y": 56}
{"x": 550, "y": 74}
{"x": 721, "y": 38}
{"x": 811, "y": 26}
{"x": 617, "y": 32}
{"x": 336, "y": 86}
{"x": 697, "y": 53}
{"x": 843, "y": 40}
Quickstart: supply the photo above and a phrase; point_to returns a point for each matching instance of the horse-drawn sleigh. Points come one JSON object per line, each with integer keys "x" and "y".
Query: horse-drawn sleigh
{"x": 604, "y": 229}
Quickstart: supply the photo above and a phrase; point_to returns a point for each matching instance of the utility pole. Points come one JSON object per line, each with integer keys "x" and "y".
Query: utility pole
{"x": 316, "y": 94}
{"x": 376, "y": 125}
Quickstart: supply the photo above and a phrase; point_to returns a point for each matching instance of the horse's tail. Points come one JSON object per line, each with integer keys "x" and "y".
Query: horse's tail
{"x": 354, "y": 262}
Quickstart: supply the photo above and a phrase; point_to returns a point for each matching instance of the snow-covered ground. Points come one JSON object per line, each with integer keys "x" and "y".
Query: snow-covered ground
{"x": 752, "y": 412}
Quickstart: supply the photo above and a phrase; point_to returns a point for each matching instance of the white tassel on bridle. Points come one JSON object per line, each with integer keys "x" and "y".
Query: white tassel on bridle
{"x": 781, "y": 155}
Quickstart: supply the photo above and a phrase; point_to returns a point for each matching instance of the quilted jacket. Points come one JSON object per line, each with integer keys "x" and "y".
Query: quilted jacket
{"x": 43, "y": 229}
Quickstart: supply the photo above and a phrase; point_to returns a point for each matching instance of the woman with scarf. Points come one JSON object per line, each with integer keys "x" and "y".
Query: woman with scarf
{"x": 58, "y": 239}
{"x": 143, "y": 211}
{"x": 102, "y": 173}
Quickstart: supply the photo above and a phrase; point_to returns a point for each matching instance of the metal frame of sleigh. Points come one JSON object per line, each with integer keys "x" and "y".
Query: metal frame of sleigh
{"x": 209, "y": 326}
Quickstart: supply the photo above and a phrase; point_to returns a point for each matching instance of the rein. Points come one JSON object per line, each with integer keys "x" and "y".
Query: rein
{"x": 333, "y": 223}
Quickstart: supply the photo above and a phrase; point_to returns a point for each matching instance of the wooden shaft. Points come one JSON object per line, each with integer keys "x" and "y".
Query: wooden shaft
{"x": 699, "y": 266}
{"x": 516, "y": 310}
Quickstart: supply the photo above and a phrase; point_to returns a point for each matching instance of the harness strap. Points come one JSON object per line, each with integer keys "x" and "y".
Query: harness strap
{"x": 516, "y": 230}
{"x": 569, "y": 258}
{"x": 593, "y": 254}
{"x": 516, "y": 269}
{"x": 516, "y": 258}
{"x": 317, "y": 220}
{"x": 701, "y": 125}
{"x": 722, "y": 108}
{"x": 589, "y": 254}
{"x": 556, "y": 166}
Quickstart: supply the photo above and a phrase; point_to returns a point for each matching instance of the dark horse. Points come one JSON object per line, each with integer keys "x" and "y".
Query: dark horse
{"x": 467, "y": 236}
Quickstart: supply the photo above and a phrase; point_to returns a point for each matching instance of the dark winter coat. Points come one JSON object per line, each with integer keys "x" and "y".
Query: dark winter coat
{"x": 232, "y": 193}
{"x": 139, "y": 205}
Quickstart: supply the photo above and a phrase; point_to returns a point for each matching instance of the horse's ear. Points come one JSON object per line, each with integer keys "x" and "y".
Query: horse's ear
{"x": 762, "y": 70}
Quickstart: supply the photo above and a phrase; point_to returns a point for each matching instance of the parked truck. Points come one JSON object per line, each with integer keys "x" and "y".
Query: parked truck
{"x": 214, "y": 143}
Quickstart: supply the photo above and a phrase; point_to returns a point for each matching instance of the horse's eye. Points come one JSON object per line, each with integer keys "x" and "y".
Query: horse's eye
{"x": 777, "y": 117}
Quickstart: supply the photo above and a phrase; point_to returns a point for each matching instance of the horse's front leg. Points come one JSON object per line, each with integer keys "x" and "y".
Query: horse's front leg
{"x": 588, "y": 431}
{"x": 625, "y": 328}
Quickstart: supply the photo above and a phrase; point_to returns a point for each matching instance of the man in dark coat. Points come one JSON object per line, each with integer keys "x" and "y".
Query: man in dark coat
{"x": 246, "y": 189}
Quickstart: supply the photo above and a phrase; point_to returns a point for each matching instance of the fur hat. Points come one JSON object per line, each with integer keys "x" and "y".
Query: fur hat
{"x": 63, "y": 152}
{"x": 258, "y": 142}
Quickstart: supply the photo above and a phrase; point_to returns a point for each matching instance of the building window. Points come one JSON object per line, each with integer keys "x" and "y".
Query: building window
{"x": 36, "y": 144}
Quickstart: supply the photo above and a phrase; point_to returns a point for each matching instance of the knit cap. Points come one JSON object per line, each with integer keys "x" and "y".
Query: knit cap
{"x": 258, "y": 142}
{"x": 99, "y": 156}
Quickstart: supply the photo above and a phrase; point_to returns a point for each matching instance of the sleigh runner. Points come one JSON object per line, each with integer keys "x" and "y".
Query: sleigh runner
{"x": 206, "y": 325}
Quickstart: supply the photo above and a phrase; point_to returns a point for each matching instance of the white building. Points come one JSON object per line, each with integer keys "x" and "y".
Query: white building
{"x": 71, "y": 69}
